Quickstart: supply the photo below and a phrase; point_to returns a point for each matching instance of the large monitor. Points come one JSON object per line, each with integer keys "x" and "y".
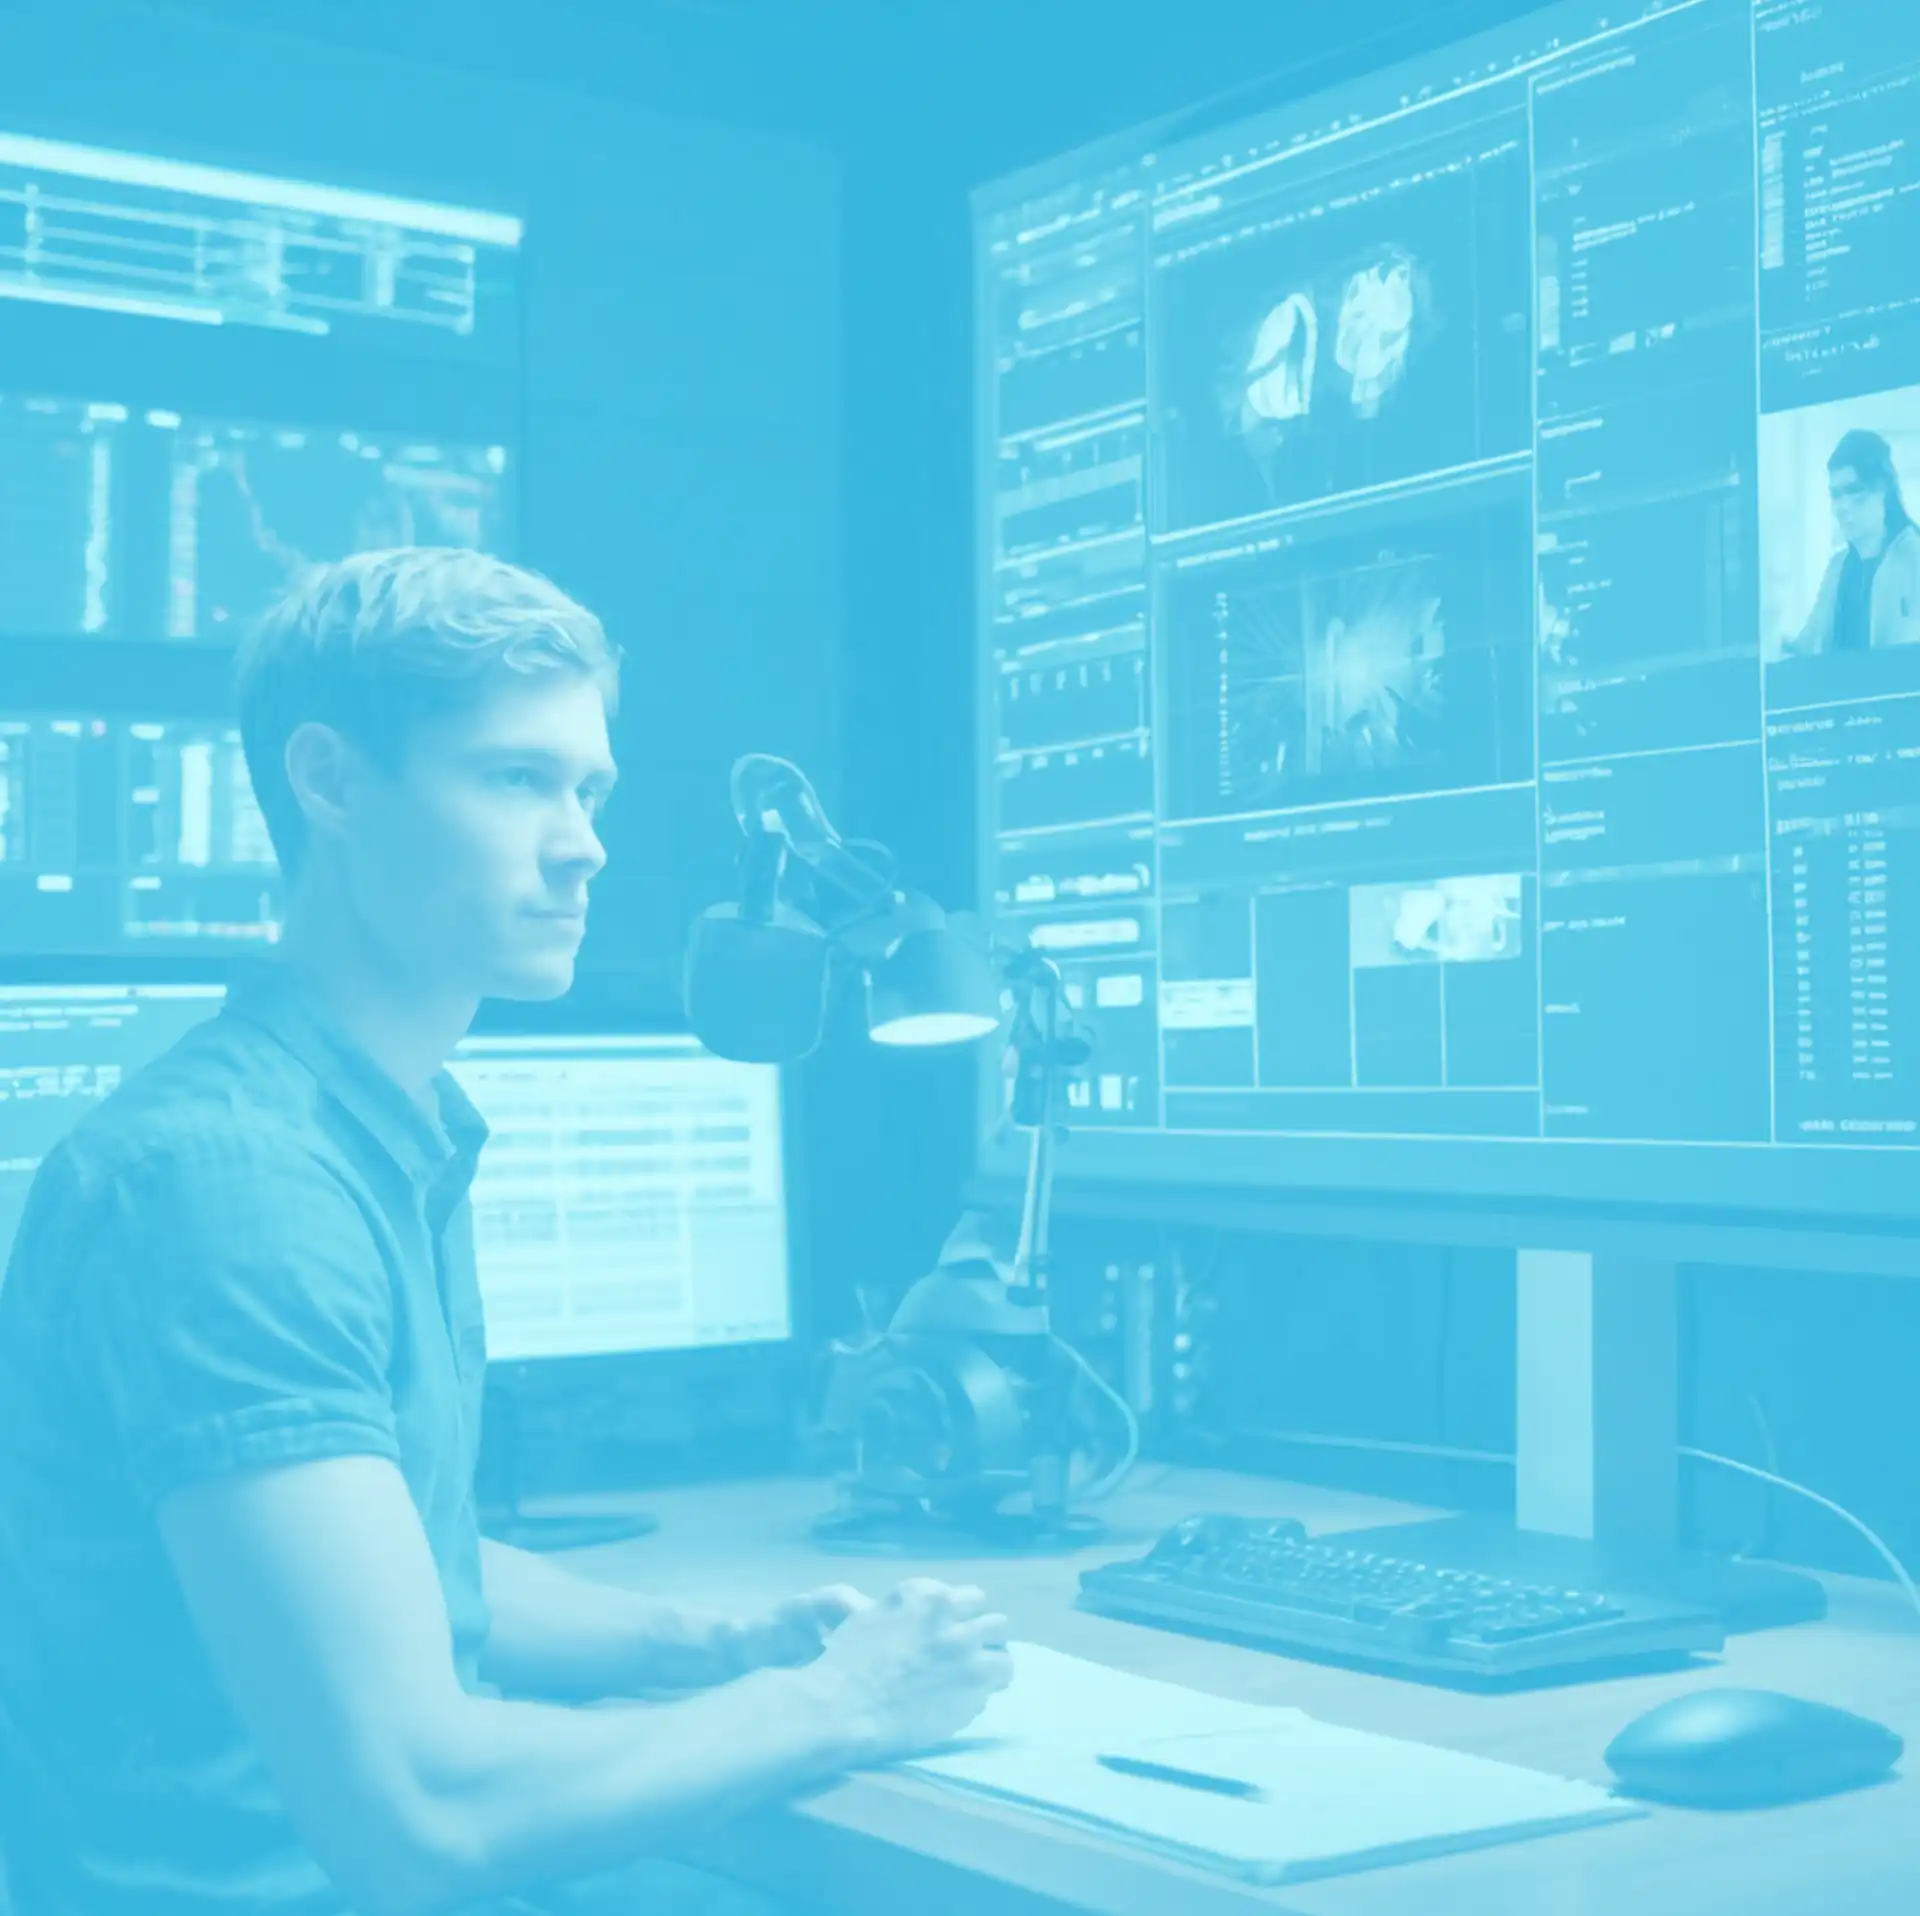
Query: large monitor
{"x": 212, "y": 378}
{"x": 1449, "y": 666}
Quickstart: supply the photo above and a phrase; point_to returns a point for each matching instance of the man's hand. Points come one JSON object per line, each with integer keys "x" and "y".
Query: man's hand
{"x": 915, "y": 1668}
{"x": 793, "y": 1632}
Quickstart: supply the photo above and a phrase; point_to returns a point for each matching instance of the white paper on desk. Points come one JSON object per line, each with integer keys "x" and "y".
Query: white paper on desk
{"x": 1059, "y": 1702}
{"x": 1336, "y": 1801}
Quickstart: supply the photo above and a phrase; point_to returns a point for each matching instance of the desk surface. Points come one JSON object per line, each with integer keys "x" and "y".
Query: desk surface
{"x": 888, "y": 1842}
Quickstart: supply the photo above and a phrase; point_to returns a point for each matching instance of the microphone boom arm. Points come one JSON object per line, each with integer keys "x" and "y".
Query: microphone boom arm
{"x": 781, "y": 816}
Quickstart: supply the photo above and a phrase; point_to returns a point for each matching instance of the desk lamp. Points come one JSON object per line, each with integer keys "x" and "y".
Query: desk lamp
{"x": 966, "y": 1413}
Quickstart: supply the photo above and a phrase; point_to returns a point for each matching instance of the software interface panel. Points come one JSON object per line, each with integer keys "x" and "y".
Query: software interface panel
{"x": 631, "y": 1196}
{"x": 1450, "y": 664}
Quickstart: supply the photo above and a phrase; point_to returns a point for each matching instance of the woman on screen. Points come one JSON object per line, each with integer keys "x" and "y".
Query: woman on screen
{"x": 1870, "y": 595}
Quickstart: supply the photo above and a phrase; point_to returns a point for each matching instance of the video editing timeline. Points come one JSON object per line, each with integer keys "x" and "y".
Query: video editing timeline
{"x": 170, "y": 239}
{"x": 1495, "y": 725}
{"x": 119, "y": 835}
{"x": 147, "y": 524}
{"x": 65, "y": 1047}
{"x": 631, "y": 1196}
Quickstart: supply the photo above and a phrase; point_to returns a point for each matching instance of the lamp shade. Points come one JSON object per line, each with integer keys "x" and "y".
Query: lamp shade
{"x": 934, "y": 988}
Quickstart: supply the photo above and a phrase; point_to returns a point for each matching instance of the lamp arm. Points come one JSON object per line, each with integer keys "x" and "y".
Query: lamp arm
{"x": 1043, "y": 1051}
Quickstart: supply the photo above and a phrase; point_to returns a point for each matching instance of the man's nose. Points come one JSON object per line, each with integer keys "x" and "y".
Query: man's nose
{"x": 579, "y": 848}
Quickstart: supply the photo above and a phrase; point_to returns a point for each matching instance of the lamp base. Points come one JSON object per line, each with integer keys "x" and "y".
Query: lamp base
{"x": 906, "y": 1529}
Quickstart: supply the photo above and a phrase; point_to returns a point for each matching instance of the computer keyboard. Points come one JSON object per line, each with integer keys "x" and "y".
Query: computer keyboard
{"x": 1264, "y": 1581}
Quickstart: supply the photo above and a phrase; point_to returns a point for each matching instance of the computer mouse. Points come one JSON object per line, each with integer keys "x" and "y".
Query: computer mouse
{"x": 1746, "y": 1749}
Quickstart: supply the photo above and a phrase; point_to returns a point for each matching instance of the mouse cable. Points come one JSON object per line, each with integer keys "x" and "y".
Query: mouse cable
{"x": 1892, "y": 1562}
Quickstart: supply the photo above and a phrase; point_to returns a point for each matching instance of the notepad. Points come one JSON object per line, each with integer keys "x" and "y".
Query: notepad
{"x": 1333, "y": 1801}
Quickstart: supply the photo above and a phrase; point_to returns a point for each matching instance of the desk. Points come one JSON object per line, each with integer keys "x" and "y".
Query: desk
{"x": 889, "y": 1843}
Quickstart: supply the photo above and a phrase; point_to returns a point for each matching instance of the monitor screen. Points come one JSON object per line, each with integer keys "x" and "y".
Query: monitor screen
{"x": 1449, "y": 672}
{"x": 130, "y": 834}
{"x": 64, "y": 1047}
{"x": 213, "y": 379}
{"x": 631, "y": 1197}
{"x": 158, "y": 236}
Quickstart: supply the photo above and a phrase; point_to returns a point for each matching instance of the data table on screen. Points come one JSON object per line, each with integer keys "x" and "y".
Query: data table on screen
{"x": 630, "y": 1197}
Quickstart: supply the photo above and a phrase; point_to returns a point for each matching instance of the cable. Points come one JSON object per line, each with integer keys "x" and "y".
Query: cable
{"x": 1770, "y": 1455}
{"x": 1892, "y": 1562}
{"x": 1326, "y": 1440}
{"x": 1101, "y": 1486}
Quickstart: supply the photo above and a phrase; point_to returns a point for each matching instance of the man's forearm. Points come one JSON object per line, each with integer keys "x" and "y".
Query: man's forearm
{"x": 514, "y": 1794}
{"x": 559, "y": 1635}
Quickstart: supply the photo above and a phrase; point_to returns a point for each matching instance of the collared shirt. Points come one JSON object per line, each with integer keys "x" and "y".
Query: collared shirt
{"x": 257, "y": 1251}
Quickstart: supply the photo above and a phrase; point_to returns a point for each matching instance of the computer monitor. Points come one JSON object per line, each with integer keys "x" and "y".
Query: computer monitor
{"x": 631, "y": 1225}
{"x": 1449, "y": 663}
{"x": 631, "y": 1198}
{"x": 64, "y": 1046}
{"x": 237, "y": 376}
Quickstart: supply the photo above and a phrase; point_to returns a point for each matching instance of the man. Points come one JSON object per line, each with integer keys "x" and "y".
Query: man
{"x": 255, "y": 1655}
{"x": 1870, "y": 593}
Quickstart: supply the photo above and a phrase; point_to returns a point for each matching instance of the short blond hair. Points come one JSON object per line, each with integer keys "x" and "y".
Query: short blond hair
{"x": 375, "y": 643}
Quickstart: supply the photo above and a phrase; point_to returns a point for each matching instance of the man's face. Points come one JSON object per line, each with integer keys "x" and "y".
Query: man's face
{"x": 1860, "y": 511}
{"x": 470, "y": 865}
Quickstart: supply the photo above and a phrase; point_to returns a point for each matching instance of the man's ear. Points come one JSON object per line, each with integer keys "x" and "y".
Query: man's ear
{"x": 321, "y": 767}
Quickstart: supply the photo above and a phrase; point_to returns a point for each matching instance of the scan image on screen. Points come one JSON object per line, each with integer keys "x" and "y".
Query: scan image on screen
{"x": 1449, "y": 620}
{"x": 1377, "y": 659}
{"x": 1343, "y": 340}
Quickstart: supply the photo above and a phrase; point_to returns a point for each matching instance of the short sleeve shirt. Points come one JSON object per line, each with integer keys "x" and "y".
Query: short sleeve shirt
{"x": 257, "y": 1251}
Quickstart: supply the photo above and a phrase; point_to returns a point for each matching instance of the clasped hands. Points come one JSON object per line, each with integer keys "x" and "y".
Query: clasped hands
{"x": 792, "y": 1633}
